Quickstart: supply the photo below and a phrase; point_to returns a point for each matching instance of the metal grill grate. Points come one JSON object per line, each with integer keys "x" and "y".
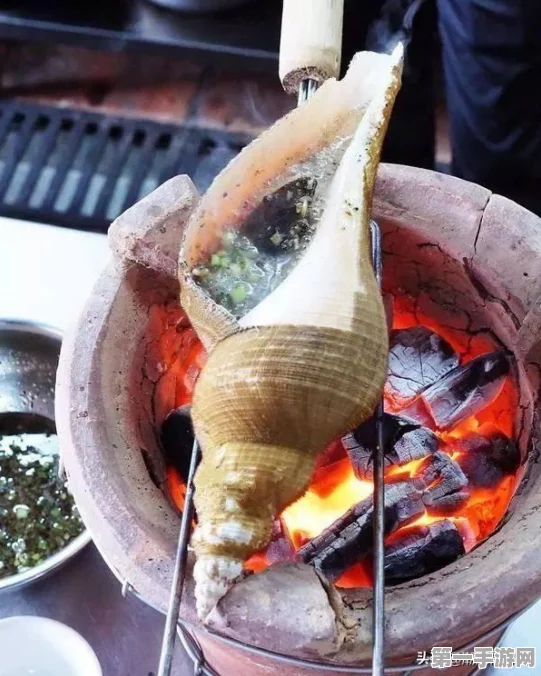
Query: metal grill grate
{"x": 81, "y": 169}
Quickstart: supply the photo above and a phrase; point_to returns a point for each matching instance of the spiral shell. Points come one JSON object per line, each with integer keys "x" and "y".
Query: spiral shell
{"x": 308, "y": 363}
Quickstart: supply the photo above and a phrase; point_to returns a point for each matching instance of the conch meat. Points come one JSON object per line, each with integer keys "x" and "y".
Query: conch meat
{"x": 308, "y": 362}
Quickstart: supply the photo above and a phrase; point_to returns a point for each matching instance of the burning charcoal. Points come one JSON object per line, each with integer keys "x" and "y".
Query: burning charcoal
{"x": 439, "y": 465}
{"x": 403, "y": 439}
{"x": 439, "y": 485}
{"x": 421, "y": 551}
{"x": 361, "y": 514}
{"x": 280, "y": 547}
{"x": 467, "y": 533}
{"x": 418, "y": 358}
{"x": 177, "y": 440}
{"x": 446, "y": 484}
{"x": 418, "y": 413}
{"x": 349, "y": 539}
{"x": 414, "y": 445}
{"x": 463, "y": 392}
{"x": 486, "y": 460}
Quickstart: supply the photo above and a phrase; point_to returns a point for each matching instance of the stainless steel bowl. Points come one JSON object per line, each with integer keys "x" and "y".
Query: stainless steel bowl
{"x": 28, "y": 361}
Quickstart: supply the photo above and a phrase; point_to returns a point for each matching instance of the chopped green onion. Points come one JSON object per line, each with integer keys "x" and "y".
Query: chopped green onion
{"x": 238, "y": 294}
{"x": 21, "y": 511}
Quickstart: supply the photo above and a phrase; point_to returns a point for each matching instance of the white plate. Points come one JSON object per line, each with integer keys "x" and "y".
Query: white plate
{"x": 37, "y": 646}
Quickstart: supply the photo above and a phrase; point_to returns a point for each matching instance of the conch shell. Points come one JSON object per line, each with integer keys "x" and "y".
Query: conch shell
{"x": 308, "y": 363}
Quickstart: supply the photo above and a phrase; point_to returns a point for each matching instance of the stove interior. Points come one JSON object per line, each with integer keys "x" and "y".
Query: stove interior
{"x": 453, "y": 432}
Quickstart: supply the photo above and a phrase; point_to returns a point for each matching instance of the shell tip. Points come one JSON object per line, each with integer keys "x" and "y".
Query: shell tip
{"x": 213, "y": 576}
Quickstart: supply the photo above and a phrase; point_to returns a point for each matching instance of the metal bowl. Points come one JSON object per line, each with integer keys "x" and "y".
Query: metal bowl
{"x": 29, "y": 355}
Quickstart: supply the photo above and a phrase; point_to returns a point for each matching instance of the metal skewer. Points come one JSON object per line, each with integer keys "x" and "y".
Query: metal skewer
{"x": 306, "y": 89}
{"x": 378, "y": 645}
{"x": 179, "y": 572}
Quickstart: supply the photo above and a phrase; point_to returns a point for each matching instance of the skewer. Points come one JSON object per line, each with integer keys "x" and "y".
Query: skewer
{"x": 307, "y": 88}
{"x": 310, "y": 42}
{"x": 179, "y": 572}
{"x": 378, "y": 637}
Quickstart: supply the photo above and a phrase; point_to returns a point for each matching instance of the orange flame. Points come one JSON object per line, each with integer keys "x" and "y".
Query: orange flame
{"x": 333, "y": 490}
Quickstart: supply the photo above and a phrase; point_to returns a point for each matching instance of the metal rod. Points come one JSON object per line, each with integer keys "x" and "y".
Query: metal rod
{"x": 378, "y": 608}
{"x": 306, "y": 89}
{"x": 179, "y": 572}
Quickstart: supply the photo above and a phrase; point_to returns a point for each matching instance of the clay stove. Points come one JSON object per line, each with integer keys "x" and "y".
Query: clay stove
{"x": 458, "y": 261}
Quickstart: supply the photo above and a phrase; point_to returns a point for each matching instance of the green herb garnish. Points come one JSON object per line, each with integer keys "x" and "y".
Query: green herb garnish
{"x": 37, "y": 514}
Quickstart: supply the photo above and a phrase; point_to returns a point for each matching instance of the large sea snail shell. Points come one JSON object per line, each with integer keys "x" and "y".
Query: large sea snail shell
{"x": 308, "y": 363}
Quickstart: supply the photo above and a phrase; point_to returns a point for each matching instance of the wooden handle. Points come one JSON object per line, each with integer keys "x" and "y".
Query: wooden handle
{"x": 311, "y": 41}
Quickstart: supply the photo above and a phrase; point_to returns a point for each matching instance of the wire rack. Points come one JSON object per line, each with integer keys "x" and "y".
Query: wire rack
{"x": 81, "y": 169}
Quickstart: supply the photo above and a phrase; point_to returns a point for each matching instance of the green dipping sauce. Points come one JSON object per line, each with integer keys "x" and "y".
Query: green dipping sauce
{"x": 37, "y": 514}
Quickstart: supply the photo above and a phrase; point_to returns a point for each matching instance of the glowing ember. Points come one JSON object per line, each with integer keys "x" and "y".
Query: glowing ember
{"x": 176, "y": 487}
{"x": 334, "y": 488}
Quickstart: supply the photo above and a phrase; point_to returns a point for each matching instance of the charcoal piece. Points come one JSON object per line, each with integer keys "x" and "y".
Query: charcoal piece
{"x": 413, "y": 445}
{"x": 418, "y": 358}
{"x": 269, "y": 226}
{"x": 446, "y": 503}
{"x": 439, "y": 486}
{"x": 438, "y": 465}
{"x": 446, "y": 484}
{"x": 418, "y": 413}
{"x": 466, "y": 390}
{"x": 403, "y": 440}
{"x": 361, "y": 512}
{"x": 350, "y": 538}
{"x": 280, "y": 547}
{"x": 486, "y": 460}
{"x": 422, "y": 550}
{"x": 177, "y": 437}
